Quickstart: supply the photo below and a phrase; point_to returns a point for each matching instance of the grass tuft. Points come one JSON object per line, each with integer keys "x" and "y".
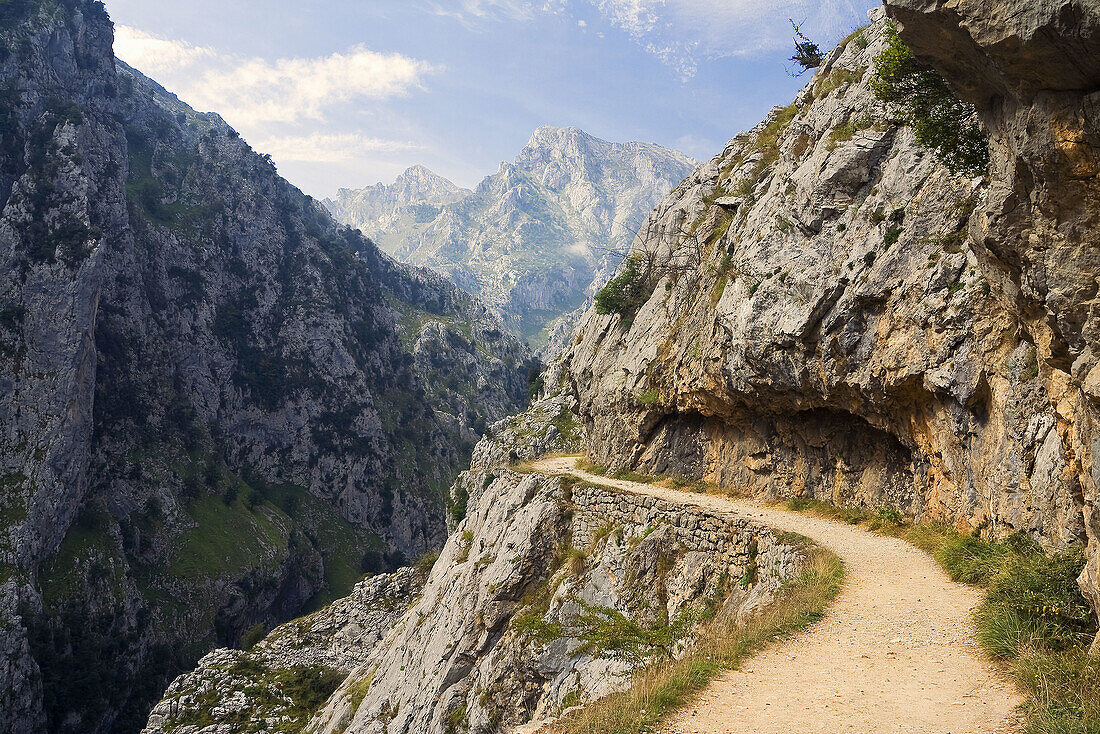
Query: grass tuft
{"x": 661, "y": 688}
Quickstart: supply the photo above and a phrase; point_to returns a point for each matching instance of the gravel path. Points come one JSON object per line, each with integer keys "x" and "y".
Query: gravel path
{"x": 894, "y": 654}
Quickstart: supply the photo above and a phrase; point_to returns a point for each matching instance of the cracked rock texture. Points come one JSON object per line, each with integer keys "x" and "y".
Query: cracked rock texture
{"x": 218, "y": 408}
{"x": 1032, "y": 69}
{"x": 461, "y": 659}
{"x": 840, "y": 317}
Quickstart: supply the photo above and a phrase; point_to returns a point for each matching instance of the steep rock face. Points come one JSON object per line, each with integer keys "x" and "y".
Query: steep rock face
{"x": 257, "y": 688}
{"x": 533, "y": 237}
{"x": 1032, "y": 69}
{"x": 415, "y": 197}
{"x": 210, "y": 416}
{"x": 470, "y": 654}
{"x": 822, "y": 326}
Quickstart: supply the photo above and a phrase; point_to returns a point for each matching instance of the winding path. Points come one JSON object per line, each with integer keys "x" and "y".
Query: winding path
{"x": 895, "y": 653}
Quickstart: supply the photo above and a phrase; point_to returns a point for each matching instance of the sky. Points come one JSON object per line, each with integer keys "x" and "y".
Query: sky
{"x": 348, "y": 93}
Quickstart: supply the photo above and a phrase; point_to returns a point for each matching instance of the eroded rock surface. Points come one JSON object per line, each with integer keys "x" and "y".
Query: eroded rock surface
{"x": 843, "y": 318}
{"x": 492, "y": 640}
{"x": 217, "y": 406}
{"x": 1032, "y": 69}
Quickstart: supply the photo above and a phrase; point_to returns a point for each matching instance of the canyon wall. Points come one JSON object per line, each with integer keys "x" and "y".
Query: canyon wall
{"x": 839, "y": 316}
{"x": 217, "y": 406}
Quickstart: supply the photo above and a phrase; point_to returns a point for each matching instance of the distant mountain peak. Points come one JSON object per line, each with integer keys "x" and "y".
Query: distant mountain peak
{"x": 375, "y": 209}
{"x": 552, "y": 135}
{"x": 528, "y": 240}
{"x": 423, "y": 173}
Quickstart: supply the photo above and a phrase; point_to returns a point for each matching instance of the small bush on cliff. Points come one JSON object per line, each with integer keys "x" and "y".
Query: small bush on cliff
{"x": 940, "y": 120}
{"x": 807, "y": 54}
{"x": 605, "y": 632}
{"x": 628, "y": 291}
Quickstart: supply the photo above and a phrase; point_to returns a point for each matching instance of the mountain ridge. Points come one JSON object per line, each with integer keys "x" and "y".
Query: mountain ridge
{"x": 220, "y": 407}
{"x": 535, "y": 238}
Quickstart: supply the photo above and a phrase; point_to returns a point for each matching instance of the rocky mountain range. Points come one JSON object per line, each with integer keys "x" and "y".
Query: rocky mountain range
{"x": 535, "y": 239}
{"x": 219, "y": 407}
{"x": 827, "y": 310}
{"x": 382, "y": 211}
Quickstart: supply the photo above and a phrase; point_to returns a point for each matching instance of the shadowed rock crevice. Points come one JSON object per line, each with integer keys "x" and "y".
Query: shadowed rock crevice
{"x": 820, "y": 454}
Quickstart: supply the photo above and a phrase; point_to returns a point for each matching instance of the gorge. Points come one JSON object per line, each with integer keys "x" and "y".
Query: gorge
{"x": 236, "y": 433}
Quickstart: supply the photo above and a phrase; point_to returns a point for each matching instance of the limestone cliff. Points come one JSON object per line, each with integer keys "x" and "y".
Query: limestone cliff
{"x": 492, "y": 641}
{"x": 838, "y": 316}
{"x": 216, "y": 403}
{"x": 1032, "y": 69}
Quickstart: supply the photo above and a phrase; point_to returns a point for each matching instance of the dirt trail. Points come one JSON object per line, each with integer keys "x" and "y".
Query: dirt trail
{"x": 894, "y": 654}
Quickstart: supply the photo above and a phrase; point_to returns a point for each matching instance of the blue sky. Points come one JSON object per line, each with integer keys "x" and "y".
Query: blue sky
{"x": 351, "y": 92}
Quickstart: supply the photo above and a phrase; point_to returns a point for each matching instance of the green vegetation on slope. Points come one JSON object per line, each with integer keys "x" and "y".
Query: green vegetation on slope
{"x": 1034, "y": 619}
{"x": 280, "y": 700}
{"x": 941, "y": 121}
{"x": 627, "y": 291}
{"x": 664, "y": 686}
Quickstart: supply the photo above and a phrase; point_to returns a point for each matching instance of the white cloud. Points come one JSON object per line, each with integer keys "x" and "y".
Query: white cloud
{"x": 300, "y": 110}
{"x": 683, "y": 33}
{"x": 334, "y": 148}
{"x": 636, "y": 17}
{"x": 247, "y": 91}
{"x": 468, "y": 11}
{"x": 154, "y": 54}
{"x": 289, "y": 90}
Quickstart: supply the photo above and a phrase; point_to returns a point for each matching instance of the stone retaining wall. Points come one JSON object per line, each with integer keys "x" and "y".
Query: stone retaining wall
{"x": 725, "y": 536}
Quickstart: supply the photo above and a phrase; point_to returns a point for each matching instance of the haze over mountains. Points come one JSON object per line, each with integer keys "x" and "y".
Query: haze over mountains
{"x": 534, "y": 239}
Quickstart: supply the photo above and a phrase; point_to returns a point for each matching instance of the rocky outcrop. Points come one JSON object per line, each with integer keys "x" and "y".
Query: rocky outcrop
{"x": 536, "y": 238}
{"x": 550, "y": 426}
{"x": 274, "y": 684}
{"x": 502, "y": 632}
{"x": 824, "y": 326}
{"x": 416, "y": 197}
{"x": 1032, "y": 69}
{"x": 215, "y": 402}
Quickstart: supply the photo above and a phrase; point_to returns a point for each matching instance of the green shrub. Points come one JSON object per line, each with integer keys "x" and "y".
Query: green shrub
{"x": 892, "y": 236}
{"x": 425, "y": 563}
{"x": 253, "y": 635}
{"x": 941, "y": 121}
{"x": 628, "y": 291}
{"x": 605, "y": 632}
{"x": 752, "y": 568}
{"x": 459, "y": 503}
